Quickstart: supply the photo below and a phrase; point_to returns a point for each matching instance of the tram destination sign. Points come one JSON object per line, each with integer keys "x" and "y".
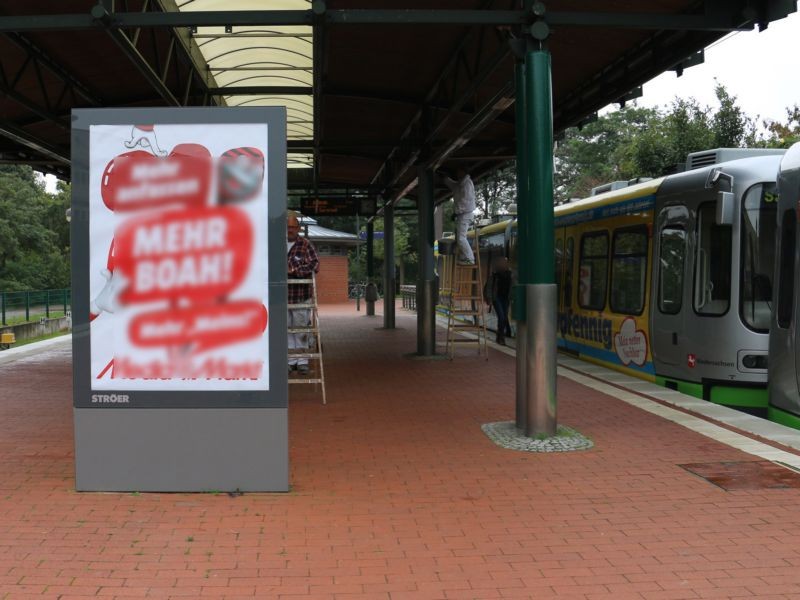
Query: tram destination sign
{"x": 338, "y": 206}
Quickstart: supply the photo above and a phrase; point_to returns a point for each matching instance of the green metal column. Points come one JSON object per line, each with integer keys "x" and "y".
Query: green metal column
{"x": 518, "y": 303}
{"x": 539, "y": 125}
{"x": 388, "y": 267}
{"x": 536, "y": 249}
{"x": 370, "y": 267}
{"x": 426, "y": 283}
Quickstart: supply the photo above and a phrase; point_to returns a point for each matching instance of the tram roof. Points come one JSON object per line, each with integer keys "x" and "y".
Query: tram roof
{"x": 637, "y": 190}
{"x": 372, "y": 89}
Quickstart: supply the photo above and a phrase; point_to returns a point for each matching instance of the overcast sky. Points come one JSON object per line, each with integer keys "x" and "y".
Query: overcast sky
{"x": 762, "y": 69}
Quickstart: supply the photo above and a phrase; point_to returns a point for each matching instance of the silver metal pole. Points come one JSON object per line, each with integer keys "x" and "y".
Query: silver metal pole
{"x": 522, "y": 371}
{"x": 541, "y": 309}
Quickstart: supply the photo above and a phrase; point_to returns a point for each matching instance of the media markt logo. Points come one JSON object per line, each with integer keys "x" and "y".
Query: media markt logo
{"x": 110, "y": 399}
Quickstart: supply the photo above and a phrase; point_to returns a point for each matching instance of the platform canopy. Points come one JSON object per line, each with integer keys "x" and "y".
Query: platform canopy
{"x": 372, "y": 88}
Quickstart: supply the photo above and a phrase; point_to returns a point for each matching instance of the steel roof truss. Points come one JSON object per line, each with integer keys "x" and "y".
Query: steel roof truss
{"x": 721, "y": 16}
{"x": 54, "y": 67}
{"x": 8, "y": 90}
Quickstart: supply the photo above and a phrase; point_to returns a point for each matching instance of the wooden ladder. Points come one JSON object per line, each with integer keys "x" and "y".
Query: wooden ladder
{"x": 316, "y": 370}
{"x": 465, "y": 308}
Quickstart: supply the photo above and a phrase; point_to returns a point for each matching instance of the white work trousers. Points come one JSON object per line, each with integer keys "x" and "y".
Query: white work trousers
{"x": 463, "y": 222}
{"x": 299, "y": 317}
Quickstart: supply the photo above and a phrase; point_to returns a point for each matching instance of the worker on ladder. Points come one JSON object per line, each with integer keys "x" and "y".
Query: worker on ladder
{"x": 463, "y": 207}
{"x": 302, "y": 263}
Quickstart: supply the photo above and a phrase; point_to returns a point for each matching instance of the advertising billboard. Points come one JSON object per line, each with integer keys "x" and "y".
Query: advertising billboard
{"x": 178, "y": 274}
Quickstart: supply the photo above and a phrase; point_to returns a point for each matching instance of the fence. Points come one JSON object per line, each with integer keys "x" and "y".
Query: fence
{"x": 408, "y": 293}
{"x": 32, "y": 305}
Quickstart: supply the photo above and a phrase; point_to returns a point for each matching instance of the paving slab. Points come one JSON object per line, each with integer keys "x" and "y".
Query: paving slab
{"x": 397, "y": 493}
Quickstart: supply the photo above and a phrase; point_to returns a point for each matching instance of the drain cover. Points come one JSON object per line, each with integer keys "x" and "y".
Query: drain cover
{"x": 747, "y": 475}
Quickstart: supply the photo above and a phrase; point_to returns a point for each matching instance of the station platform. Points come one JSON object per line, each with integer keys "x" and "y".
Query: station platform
{"x": 397, "y": 493}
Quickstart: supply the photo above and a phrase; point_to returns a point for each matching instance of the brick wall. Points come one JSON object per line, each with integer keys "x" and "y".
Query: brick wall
{"x": 332, "y": 279}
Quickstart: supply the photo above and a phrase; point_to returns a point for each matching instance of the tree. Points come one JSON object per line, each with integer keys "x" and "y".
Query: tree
{"x": 638, "y": 142}
{"x": 595, "y": 154}
{"x": 494, "y": 193}
{"x": 783, "y": 135}
{"x": 34, "y": 237}
{"x": 732, "y": 128}
{"x": 403, "y": 253}
{"x": 669, "y": 137}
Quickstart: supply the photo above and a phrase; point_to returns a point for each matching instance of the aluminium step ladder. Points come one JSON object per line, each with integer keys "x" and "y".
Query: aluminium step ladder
{"x": 465, "y": 315}
{"x": 313, "y": 350}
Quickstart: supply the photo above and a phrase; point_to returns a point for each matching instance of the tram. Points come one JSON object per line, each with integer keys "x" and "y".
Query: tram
{"x": 670, "y": 279}
{"x": 784, "y": 343}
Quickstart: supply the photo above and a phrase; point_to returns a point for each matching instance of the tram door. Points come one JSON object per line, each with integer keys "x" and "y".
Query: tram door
{"x": 565, "y": 255}
{"x": 784, "y": 337}
{"x": 671, "y": 289}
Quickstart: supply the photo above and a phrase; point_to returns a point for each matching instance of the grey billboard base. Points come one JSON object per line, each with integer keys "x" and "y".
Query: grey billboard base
{"x": 181, "y": 450}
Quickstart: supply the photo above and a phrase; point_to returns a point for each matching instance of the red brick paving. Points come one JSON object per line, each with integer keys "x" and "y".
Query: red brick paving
{"x": 396, "y": 493}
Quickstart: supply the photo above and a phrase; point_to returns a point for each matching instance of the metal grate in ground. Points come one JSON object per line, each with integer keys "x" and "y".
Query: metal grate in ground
{"x": 746, "y": 475}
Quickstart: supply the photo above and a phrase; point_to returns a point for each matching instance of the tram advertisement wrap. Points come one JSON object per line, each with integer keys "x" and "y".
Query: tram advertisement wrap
{"x": 178, "y": 257}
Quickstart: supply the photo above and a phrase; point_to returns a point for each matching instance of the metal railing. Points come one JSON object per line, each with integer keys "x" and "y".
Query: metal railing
{"x": 408, "y": 294}
{"x": 32, "y": 305}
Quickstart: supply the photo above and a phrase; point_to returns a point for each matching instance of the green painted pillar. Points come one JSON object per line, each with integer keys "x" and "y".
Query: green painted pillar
{"x": 536, "y": 358}
{"x": 426, "y": 281}
{"x": 539, "y": 126}
{"x": 370, "y": 268}
{"x": 523, "y": 210}
{"x": 388, "y": 267}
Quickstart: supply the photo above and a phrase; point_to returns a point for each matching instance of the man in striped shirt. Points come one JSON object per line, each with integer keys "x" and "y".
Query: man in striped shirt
{"x": 302, "y": 263}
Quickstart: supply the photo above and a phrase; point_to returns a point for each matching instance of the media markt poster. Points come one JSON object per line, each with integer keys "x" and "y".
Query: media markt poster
{"x": 178, "y": 261}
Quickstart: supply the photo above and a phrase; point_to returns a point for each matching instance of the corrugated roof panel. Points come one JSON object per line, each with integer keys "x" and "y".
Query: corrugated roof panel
{"x": 273, "y": 56}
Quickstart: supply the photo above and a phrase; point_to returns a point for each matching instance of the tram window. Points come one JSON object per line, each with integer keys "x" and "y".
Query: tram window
{"x": 759, "y": 224}
{"x": 629, "y": 270}
{"x": 712, "y": 269}
{"x": 672, "y": 253}
{"x": 559, "y": 264}
{"x": 593, "y": 271}
{"x": 786, "y": 281}
{"x": 570, "y": 254}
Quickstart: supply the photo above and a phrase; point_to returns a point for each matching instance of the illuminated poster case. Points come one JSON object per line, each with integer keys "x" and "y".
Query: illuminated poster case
{"x": 179, "y": 274}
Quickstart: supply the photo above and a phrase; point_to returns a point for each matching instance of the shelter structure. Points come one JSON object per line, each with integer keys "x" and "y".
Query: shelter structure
{"x": 333, "y": 248}
{"x": 379, "y": 95}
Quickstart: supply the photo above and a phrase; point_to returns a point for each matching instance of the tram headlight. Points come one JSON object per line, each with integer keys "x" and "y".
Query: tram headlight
{"x": 755, "y": 361}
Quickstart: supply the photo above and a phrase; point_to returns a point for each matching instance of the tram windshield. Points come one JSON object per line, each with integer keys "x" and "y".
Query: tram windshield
{"x": 759, "y": 225}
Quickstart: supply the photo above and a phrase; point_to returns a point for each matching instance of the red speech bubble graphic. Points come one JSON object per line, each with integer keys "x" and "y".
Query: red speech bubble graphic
{"x": 203, "y": 327}
{"x": 137, "y": 180}
{"x": 198, "y": 253}
{"x": 240, "y": 174}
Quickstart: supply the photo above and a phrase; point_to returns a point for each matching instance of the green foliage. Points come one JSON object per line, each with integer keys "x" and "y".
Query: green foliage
{"x": 732, "y": 128}
{"x": 668, "y": 137}
{"x": 494, "y": 193}
{"x": 597, "y": 153}
{"x": 641, "y": 142}
{"x": 404, "y": 253}
{"x": 783, "y": 135}
{"x": 34, "y": 234}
